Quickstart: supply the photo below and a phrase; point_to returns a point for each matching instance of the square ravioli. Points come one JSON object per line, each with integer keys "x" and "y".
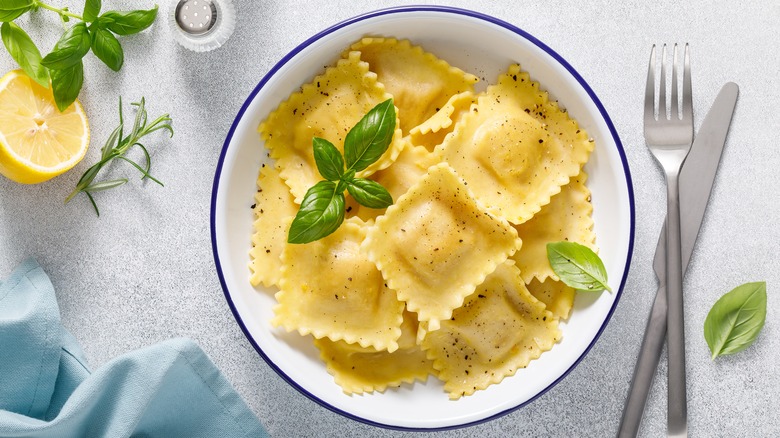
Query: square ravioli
{"x": 273, "y": 209}
{"x": 566, "y": 218}
{"x": 499, "y": 330}
{"x": 328, "y": 288}
{"x": 359, "y": 370}
{"x": 328, "y": 107}
{"x": 420, "y": 82}
{"x": 515, "y": 148}
{"x": 436, "y": 244}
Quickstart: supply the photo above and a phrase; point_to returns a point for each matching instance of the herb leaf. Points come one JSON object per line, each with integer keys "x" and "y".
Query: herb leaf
{"x": 328, "y": 159}
{"x": 66, "y": 85}
{"x": 577, "y": 266}
{"x": 92, "y": 10}
{"x": 24, "y": 52}
{"x": 736, "y": 319}
{"x": 70, "y": 48}
{"x": 323, "y": 208}
{"x": 321, "y": 213}
{"x": 107, "y": 48}
{"x": 13, "y": 9}
{"x": 127, "y": 22}
{"x": 370, "y": 137}
{"x": 115, "y": 148}
{"x": 369, "y": 193}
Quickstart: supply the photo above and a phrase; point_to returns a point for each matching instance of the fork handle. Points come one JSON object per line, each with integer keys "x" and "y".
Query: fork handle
{"x": 677, "y": 412}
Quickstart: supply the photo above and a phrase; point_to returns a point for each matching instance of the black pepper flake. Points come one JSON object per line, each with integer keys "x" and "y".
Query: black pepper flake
{"x": 253, "y": 206}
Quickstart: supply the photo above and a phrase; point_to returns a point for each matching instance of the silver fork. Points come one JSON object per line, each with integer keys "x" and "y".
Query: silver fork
{"x": 669, "y": 136}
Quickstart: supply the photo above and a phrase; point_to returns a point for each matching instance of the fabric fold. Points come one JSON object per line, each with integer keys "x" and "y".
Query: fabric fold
{"x": 47, "y": 389}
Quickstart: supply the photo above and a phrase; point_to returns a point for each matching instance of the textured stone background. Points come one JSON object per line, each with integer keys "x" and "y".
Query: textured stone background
{"x": 144, "y": 271}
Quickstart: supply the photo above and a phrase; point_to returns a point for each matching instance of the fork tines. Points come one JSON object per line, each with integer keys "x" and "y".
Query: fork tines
{"x": 676, "y": 110}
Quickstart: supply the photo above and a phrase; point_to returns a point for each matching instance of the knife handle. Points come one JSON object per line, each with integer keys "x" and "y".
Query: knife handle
{"x": 646, "y": 364}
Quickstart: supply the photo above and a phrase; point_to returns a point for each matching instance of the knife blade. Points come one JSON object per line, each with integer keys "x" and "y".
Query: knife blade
{"x": 696, "y": 178}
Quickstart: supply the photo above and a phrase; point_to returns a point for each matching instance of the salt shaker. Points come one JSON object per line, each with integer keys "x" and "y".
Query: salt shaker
{"x": 202, "y": 25}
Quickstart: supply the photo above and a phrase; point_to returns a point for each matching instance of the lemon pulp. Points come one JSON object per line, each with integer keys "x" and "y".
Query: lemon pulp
{"x": 37, "y": 141}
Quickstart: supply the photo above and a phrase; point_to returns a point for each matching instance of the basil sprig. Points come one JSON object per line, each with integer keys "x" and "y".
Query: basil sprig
{"x": 736, "y": 319}
{"x": 323, "y": 207}
{"x": 63, "y": 65}
{"x": 577, "y": 266}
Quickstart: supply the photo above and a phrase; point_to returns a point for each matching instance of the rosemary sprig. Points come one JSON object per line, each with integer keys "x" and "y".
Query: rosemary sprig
{"x": 116, "y": 147}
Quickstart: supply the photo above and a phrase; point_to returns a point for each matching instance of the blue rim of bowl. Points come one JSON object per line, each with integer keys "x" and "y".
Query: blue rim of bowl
{"x": 407, "y": 9}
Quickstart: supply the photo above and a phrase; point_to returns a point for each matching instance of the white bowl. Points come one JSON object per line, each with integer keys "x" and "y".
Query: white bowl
{"x": 485, "y": 47}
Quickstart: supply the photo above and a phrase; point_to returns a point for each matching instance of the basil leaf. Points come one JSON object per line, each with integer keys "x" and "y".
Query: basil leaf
{"x": 577, "y": 266}
{"x": 370, "y": 137}
{"x": 70, "y": 48}
{"x": 328, "y": 159}
{"x": 13, "y": 9}
{"x": 736, "y": 319}
{"x": 66, "y": 85}
{"x": 369, "y": 193}
{"x": 321, "y": 213}
{"x": 107, "y": 48}
{"x": 24, "y": 52}
{"x": 128, "y": 22}
{"x": 92, "y": 10}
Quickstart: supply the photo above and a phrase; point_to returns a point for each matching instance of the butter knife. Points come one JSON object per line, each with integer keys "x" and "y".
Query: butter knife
{"x": 696, "y": 178}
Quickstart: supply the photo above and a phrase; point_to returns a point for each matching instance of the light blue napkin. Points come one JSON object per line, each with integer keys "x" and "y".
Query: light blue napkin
{"x": 171, "y": 389}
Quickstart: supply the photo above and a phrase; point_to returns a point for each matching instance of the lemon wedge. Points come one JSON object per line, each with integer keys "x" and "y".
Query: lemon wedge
{"x": 37, "y": 141}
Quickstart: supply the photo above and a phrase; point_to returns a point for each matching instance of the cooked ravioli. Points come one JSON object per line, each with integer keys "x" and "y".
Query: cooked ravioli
{"x": 515, "y": 148}
{"x": 436, "y": 244}
{"x": 328, "y": 107}
{"x": 328, "y": 288}
{"x": 498, "y": 330}
{"x": 566, "y": 218}
{"x": 273, "y": 209}
{"x": 452, "y": 280}
{"x": 558, "y": 297}
{"x": 420, "y": 83}
{"x": 431, "y": 133}
{"x": 358, "y": 370}
{"x": 408, "y": 168}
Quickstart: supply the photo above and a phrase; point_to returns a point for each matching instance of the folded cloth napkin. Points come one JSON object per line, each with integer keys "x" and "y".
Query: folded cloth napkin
{"x": 171, "y": 389}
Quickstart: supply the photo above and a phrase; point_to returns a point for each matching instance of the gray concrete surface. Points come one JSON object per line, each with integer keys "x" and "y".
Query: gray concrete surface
{"x": 144, "y": 270}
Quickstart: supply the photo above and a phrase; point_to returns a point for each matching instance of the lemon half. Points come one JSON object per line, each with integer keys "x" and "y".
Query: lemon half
{"x": 37, "y": 141}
